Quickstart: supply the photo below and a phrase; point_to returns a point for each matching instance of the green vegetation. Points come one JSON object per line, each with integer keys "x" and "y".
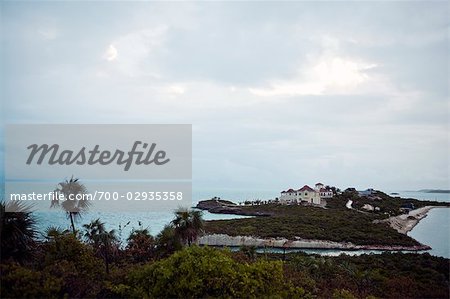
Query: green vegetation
{"x": 17, "y": 231}
{"x": 197, "y": 272}
{"x": 187, "y": 225}
{"x": 387, "y": 275}
{"x": 103, "y": 243}
{"x": 335, "y": 223}
{"x": 388, "y": 205}
{"x": 67, "y": 265}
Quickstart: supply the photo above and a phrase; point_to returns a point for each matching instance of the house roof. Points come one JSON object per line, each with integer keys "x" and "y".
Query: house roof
{"x": 319, "y": 184}
{"x": 290, "y": 190}
{"x": 324, "y": 190}
{"x": 306, "y": 188}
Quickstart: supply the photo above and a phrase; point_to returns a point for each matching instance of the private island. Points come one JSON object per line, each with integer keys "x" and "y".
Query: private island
{"x": 323, "y": 217}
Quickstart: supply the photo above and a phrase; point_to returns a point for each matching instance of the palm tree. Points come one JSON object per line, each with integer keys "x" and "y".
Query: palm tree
{"x": 167, "y": 241}
{"x": 74, "y": 207}
{"x": 188, "y": 225}
{"x": 17, "y": 230}
{"x": 53, "y": 232}
{"x": 103, "y": 242}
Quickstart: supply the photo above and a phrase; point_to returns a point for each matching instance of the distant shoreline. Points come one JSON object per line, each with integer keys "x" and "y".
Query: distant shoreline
{"x": 406, "y": 222}
{"x": 434, "y": 191}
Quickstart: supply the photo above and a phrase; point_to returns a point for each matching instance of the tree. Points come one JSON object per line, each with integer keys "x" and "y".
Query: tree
{"x": 188, "y": 225}
{"x": 141, "y": 245}
{"x": 74, "y": 202}
{"x": 53, "y": 232}
{"x": 17, "y": 231}
{"x": 74, "y": 263}
{"x": 167, "y": 242}
{"x": 249, "y": 251}
{"x": 103, "y": 242}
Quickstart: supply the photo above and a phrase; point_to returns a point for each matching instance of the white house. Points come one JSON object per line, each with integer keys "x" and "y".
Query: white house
{"x": 289, "y": 196}
{"x": 308, "y": 194}
{"x": 324, "y": 193}
{"x": 304, "y": 194}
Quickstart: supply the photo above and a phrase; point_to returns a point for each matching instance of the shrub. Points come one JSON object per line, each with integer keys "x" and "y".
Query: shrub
{"x": 206, "y": 272}
{"x": 20, "y": 282}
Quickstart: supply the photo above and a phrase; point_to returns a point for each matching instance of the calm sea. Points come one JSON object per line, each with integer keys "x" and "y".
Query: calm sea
{"x": 124, "y": 222}
{"x": 432, "y": 231}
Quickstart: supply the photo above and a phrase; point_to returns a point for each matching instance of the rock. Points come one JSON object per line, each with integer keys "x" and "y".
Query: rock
{"x": 214, "y": 203}
{"x": 223, "y": 240}
{"x": 218, "y": 206}
{"x": 368, "y": 207}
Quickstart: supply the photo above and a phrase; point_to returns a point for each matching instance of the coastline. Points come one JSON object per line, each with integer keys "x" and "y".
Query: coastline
{"x": 406, "y": 222}
{"x": 223, "y": 240}
{"x": 402, "y": 223}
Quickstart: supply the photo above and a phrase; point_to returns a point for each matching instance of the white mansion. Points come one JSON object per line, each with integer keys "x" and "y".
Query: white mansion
{"x": 305, "y": 194}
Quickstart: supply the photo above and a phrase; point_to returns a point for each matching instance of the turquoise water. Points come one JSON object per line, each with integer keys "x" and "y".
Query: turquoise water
{"x": 432, "y": 230}
{"x": 123, "y": 222}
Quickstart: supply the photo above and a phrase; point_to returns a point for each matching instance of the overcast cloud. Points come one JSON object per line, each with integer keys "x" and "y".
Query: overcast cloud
{"x": 279, "y": 94}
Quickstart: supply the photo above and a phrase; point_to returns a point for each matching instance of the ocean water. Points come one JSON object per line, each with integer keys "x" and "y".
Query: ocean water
{"x": 125, "y": 222}
{"x": 432, "y": 230}
{"x": 423, "y": 195}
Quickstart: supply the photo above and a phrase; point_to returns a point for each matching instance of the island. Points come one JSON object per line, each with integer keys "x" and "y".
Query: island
{"x": 435, "y": 191}
{"x": 347, "y": 221}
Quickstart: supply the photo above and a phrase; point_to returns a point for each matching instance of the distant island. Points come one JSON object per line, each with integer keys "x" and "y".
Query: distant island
{"x": 434, "y": 191}
{"x": 349, "y": 220}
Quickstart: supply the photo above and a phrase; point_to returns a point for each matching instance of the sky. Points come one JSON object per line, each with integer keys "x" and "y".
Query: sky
{"x": 280, "y": 94}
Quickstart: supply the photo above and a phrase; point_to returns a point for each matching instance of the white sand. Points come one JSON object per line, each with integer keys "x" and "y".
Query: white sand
{"x": 406, "y": 222}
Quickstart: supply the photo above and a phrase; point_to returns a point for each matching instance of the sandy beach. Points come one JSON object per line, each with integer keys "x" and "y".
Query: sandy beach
{"x": 406, "y": 222}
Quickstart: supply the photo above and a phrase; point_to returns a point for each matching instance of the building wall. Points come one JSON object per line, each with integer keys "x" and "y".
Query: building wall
{"x": 295, "y": 197}
{"x": 310, "y": 197}
{"x": 288, "y": 197}
{"x": 327, "y": 194}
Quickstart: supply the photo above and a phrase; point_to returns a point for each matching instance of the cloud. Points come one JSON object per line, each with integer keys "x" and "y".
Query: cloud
{"x": 135, "y": 49}
{"x": 175, "y": 89}
{"x": 330, "y": 74}
{"x": 111, "y": 53}
{"x": 378, "y": 66}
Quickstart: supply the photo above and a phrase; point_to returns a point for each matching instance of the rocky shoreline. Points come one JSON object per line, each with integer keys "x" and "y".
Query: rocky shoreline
{"x": 218, "y": 206}
{"x": 222, "y": 240}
